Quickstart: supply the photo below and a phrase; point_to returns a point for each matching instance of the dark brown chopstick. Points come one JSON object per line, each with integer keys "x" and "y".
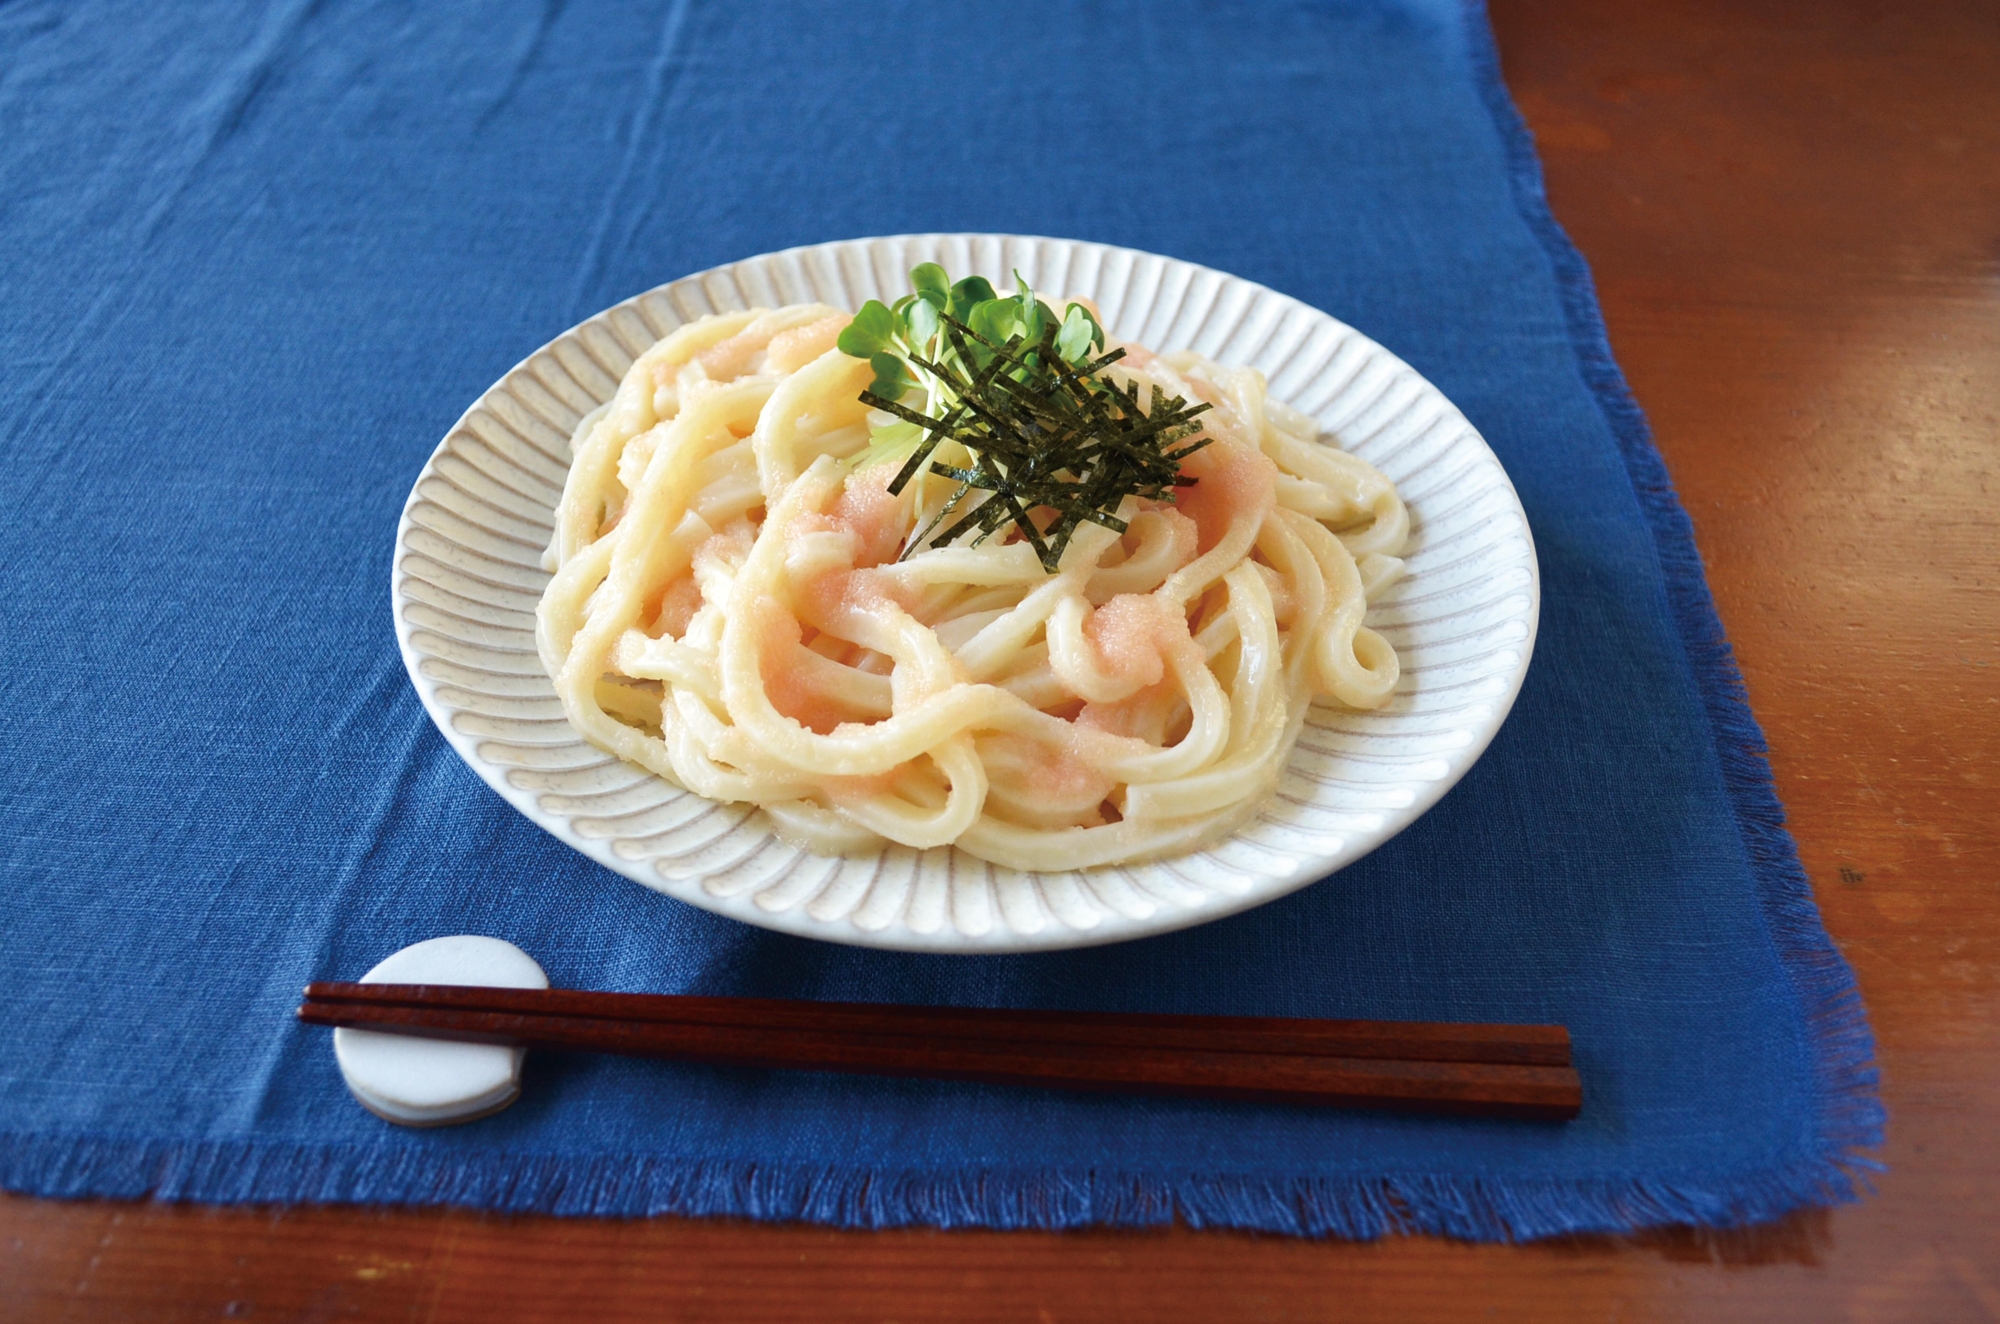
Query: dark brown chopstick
{"x": 1525, "y": 1045}
{"x": 1490, "y": 1070}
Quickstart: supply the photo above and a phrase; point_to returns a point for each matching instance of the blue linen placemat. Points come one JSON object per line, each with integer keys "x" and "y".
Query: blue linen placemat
{"x": 257, "y": 258}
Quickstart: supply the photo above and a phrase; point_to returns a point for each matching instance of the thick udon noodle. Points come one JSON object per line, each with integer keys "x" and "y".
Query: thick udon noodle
{"x": 728, "y": 610}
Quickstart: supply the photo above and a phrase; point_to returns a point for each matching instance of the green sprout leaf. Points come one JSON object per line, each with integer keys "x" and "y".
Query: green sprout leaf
{"x": 995, "y": 320}
{"x": 922, "y": 321}
{"x": 1034, "y": 313}
{"x": 868, "y": 334}
{"x": 931, "y": 285}
{"x": 967, "y": 295}
{"x": 1079, "y": 335}
{"x": 1034, "y": 320}
{"x": 892, "y": 379}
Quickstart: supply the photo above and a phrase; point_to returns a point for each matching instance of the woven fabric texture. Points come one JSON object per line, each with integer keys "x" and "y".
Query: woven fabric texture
{"x": 258, "y": 258}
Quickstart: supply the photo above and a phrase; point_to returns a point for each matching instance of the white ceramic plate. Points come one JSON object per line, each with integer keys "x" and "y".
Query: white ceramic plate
{"x": 467, "y": 575}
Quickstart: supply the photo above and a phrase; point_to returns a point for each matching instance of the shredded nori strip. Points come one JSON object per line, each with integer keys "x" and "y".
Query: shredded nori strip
{"x": 1044, "y": 435}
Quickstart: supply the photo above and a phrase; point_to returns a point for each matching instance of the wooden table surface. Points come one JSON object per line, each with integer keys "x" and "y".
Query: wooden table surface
{"x": 1793, "y": 211}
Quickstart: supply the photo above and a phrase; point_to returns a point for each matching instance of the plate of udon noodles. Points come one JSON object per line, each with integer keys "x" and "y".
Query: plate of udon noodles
{"x": 683, "y": 598}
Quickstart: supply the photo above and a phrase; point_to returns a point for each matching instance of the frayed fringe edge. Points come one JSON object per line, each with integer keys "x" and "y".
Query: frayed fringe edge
{"x": 1472, "y": 1208}
{"x": 1840, "y": 1045}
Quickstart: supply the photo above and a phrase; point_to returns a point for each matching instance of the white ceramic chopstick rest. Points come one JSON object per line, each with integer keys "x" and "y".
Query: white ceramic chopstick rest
{"x": 434, "y": 1082}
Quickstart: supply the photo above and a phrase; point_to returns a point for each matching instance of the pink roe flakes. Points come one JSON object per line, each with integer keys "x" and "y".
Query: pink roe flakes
{"x": 1131, "y": 635}
{"x": 1232, "y": 482}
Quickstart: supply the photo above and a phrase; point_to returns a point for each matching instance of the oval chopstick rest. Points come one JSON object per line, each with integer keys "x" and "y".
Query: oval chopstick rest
{"x": 435, "y": 1082}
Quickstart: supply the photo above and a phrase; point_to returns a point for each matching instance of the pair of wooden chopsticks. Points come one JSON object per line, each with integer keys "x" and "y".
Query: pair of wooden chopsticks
{"x": 1518, "y": 1071}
